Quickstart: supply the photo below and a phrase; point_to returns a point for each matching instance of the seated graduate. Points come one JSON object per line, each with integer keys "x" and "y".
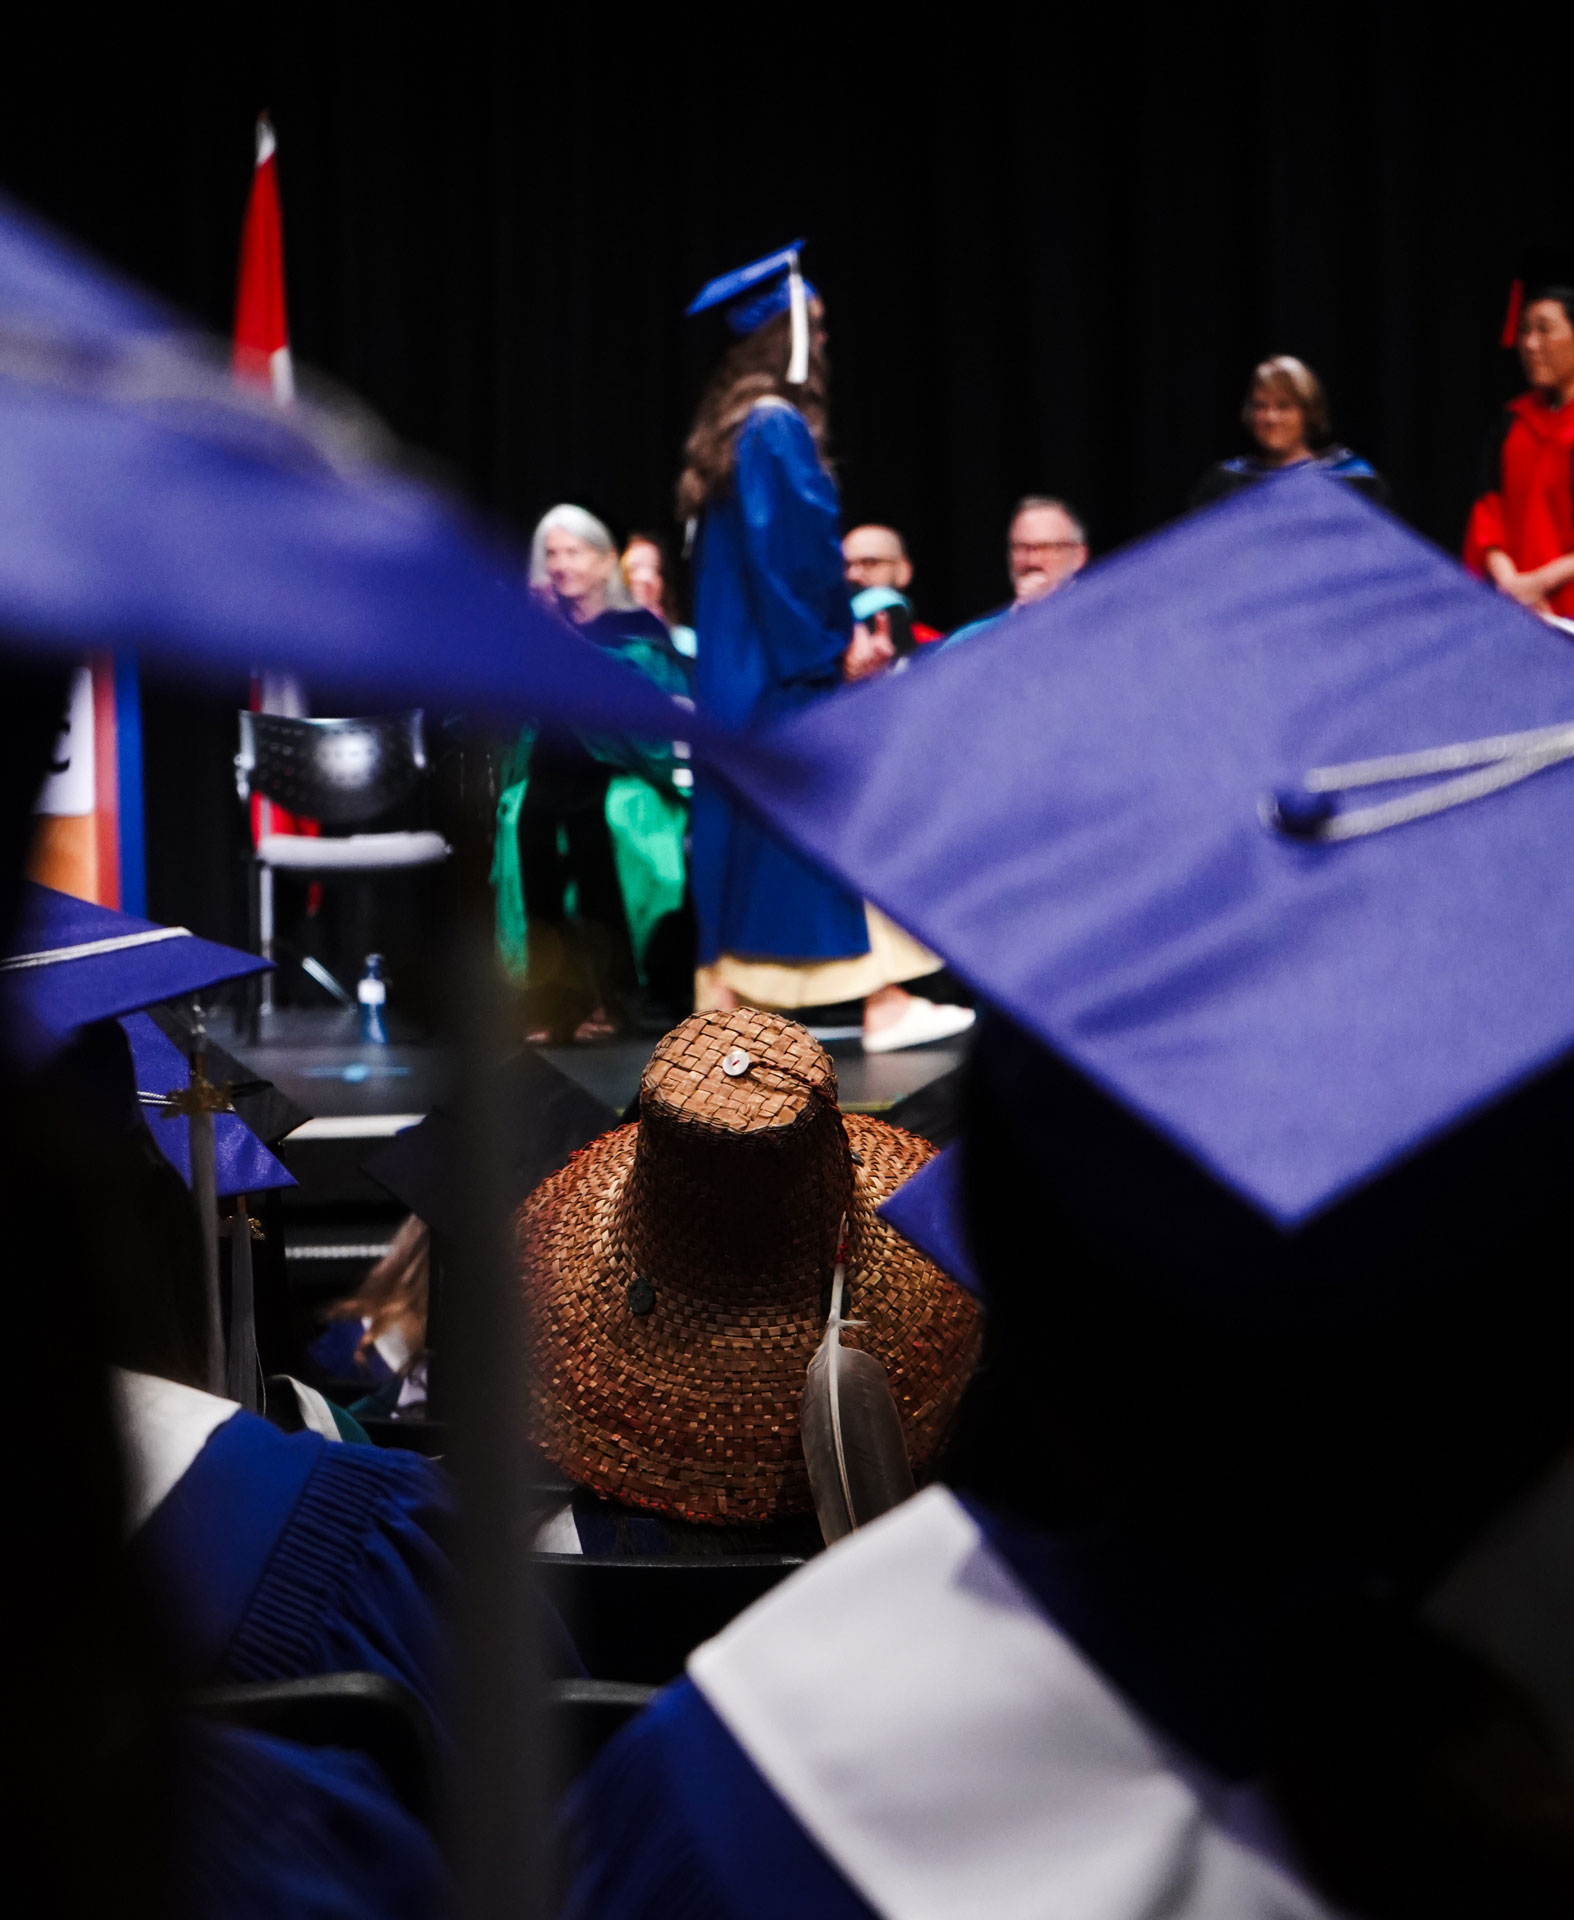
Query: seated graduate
{"x": 1231, "y": 1611}
{"x": 180, "y": 1813}
{"x": 679, "y": 1272}
{"x": 1286, "y": 414}
{"x": 376, "y": 1339}
{"x": 274, "y": 1555}
{"x": 268, "y": 1826}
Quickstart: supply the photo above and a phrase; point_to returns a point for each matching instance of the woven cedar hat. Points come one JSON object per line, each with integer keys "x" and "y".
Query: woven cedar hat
{"x": 679, "y": 1273}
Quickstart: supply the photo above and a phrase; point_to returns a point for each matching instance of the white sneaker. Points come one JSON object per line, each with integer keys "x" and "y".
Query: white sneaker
{"x": 923, "y": 1021}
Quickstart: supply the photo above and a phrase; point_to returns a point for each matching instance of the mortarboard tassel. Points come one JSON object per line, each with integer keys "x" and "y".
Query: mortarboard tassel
{"x": 199, "y": 1100}
{"x": 849, "y": 1428}
{"x": 243, "y": 1376}
{"x": 1481, "y": 767}
{"x": 798, "y": 365}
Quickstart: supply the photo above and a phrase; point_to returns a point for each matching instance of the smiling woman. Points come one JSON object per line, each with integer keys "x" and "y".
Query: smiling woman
{"x": 1286, "y": 414}
{"x": 1521, "y": 532}
{"x": 589, "y": 851}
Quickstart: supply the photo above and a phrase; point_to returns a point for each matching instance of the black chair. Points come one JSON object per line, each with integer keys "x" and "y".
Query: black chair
{"x": 639, "y": 1620}
{"x": 341, "y": 773}
{"x": 426, "y": 1437}
{"x": 583, "y": 1715}
{"x": 362, "y": 1712}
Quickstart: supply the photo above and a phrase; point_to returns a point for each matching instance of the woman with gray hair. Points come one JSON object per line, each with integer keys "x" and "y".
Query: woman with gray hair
{"x": 588, "y": 858}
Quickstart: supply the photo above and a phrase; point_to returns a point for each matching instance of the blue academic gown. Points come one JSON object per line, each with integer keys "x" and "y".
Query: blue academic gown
{"x": 280, "y": 1556}
{"x": 773, "y": 619}
{"x": 269, "y": 1827}
{"x": 674, "y": 1821}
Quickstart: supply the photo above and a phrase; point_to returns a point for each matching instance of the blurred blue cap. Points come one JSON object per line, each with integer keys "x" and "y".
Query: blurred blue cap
{"x": 926, "y": 1210}
{"x": 241, "y": 1163}
{"x": 753, "y": 294}
{"x": 72, "y": 962}
{"x": 1117, "y": 817}
{"x": 153, "y": 504}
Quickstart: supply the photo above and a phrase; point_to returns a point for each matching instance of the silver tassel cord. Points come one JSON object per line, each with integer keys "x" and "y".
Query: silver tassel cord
{"x": 243, "y": 1379}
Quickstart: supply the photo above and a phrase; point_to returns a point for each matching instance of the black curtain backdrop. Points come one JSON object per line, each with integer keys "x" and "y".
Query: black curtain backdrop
{"x": 1052, "y": 244}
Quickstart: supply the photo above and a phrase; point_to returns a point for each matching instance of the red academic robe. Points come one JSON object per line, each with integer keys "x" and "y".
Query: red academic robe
{"x": 1529, "y": 514}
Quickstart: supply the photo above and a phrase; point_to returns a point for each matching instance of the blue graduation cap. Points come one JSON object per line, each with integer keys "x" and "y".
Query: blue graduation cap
{"x": 751, "y": 295}
{"x": 1263, "y": 833}
{"x": 242, "y": 1164}
{"x": 153, "y": 504}
{"x": 73, "y": 962}
{"x": 926, "y": 1209}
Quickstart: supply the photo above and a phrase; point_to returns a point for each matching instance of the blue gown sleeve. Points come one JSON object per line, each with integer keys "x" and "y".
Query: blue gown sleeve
{"x": 283, "y": 1555}
{"x": 674, "y": 1822}
{"x": 269, "y": 1828}
{"x": 792, "y": 533}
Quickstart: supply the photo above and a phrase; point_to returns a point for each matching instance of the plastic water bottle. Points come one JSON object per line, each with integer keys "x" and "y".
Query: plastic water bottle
{"x": 372, "y": 992}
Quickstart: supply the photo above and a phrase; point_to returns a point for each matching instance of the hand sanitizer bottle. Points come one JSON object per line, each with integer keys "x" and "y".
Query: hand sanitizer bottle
{"x": 372, "y": 992}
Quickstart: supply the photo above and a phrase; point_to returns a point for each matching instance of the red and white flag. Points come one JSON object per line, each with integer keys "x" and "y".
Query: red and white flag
{"x": 262, "y": 358}
{"x": 262, "y": 330}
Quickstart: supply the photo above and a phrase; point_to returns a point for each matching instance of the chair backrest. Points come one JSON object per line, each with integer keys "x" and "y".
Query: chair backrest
{"x": 427, "y": 1437}
{"x": 639, "y": 1620}
{"x": 364, "y": 1712}
{"x": 582, "y": 1716}
{"x": 341, "y": 772}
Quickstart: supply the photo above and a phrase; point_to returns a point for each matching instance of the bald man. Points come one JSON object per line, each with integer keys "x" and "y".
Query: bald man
{"x": 875, "y": 556}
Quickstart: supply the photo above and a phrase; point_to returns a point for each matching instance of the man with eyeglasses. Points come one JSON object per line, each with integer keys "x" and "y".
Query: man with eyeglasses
{"x": 879, "y": 574}
{"x": 1047, "y": 544}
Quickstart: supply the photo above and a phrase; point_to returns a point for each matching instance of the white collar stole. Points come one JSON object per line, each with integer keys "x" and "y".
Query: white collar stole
{"x": 163, "y": 1427}
{"x": 956, "y": 1755}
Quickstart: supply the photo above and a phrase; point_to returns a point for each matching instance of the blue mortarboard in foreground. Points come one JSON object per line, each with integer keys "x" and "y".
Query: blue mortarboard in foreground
{"x": 148, "y": 502}
{"x": 1077, "y": 811}
{"x": 927, "y": 1210}
{"x": 73, "y": 962}
{"x": 241, "y": 1163}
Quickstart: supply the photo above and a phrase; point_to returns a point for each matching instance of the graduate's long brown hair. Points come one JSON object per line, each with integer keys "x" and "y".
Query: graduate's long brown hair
{"x": 394, "y": 1294}
{"x": 752, "y": 370}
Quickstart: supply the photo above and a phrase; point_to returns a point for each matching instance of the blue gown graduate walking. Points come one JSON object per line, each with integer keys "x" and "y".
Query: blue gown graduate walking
{"x": 774, "y": 622}
{"x": 771, "y": 613}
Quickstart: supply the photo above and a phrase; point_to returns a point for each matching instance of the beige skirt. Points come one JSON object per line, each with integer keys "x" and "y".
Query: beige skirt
{"x": 893, "y": 956}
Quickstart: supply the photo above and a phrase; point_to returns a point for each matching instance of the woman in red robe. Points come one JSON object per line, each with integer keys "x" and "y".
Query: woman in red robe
{"x": 1521, "y": 531}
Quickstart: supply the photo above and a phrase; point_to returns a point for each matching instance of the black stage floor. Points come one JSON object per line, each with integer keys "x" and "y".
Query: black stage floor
{"x": 352, "y": 1090}
{"x": 869, "y": 1083}
{"x": 357, "y": 1095}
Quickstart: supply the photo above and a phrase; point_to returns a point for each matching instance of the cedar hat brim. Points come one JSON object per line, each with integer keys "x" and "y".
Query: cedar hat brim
{"x": 690, "y": 1407}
